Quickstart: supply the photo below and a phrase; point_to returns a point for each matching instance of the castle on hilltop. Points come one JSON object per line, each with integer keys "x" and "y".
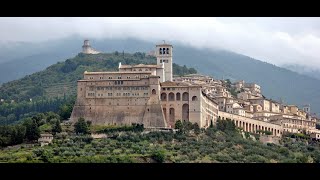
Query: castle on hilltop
{"x": 149, "y": 95}
{"x": 87, "y": 49}
{"x": 142, "y": 94}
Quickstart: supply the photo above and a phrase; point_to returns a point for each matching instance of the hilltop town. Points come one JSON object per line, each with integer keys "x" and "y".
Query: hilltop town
{"x": 150, "y": 95}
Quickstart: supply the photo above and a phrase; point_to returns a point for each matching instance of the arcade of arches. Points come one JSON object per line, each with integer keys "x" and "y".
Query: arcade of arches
{"x": 251, "y": 125}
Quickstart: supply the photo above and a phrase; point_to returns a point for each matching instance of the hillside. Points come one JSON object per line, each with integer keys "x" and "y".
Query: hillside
{"x": 301, "y": 69}
{"x": 220, "y": 144}
{"x": 276, "y": 82}
{"x": 60, "y": 79}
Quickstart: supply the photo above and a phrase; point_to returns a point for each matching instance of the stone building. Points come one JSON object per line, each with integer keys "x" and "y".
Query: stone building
{"x": 143, "y": 94}
{"x": 45, "y": 139}
{"x": 265, "y": 104}
{"x": 87, "y": 49}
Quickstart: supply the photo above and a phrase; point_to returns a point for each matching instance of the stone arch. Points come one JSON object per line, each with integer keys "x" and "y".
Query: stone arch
{"x": 194, "y": 98}
{"x": 185, "y": 112}
{"x": 171, "y": 117}
{"x": 185, "y": 96}
{"x": 153, "y": 91}
{"x": 167, "y": 50}
{"x": 163, "y": 97}
{"x": 178, "y": 97}
{"x": 171, "y": 96}
{"x": 160, "y": 51}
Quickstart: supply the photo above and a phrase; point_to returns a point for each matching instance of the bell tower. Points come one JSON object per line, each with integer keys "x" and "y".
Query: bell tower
{"x": 164, "y": 56}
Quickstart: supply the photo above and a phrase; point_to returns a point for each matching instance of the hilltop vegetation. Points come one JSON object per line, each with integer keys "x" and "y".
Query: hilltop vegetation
{"x": 219, "y": 144}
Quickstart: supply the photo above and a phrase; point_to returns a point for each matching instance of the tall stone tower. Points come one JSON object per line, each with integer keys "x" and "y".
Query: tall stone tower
{"x": 306, "y": 108}
{"x": 164, "y": 56}
{"x": 86, "y": 46}
{"x": 87, "y": 49}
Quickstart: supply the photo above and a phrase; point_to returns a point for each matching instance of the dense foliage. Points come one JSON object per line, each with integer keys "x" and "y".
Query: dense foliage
{"x": 29, "y": 129}
{"x": 221, "y": 143}
{"x": 13, "y": 112}
{"x": 82, "y": 126}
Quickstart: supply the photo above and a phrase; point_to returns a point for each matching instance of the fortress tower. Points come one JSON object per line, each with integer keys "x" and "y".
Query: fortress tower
{"x": 164, "y": 55}
{"x": 87, "y": 49}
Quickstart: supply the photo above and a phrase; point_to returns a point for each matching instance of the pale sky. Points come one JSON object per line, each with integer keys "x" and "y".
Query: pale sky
{"x": 291, "y": 40}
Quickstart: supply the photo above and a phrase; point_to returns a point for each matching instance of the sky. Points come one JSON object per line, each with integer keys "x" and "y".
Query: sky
{"x": 291, "y": 40}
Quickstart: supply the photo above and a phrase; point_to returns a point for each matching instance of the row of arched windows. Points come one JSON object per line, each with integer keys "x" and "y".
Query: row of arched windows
{"x": 177, "y": 97}
{"x": 164, "y": 51}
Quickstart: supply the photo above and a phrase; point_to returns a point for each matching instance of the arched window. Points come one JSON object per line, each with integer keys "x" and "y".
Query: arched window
{"x": 154, "y": 91}
{"x": 160, "y": 51}
{"x": 185, "y": 96}
{"x": 160, "y": 60}
{"x": 163, "y": 96}
{"x": 167, "y": 50}
{"x": 164, "y": 51}
{"x": 171, "y": 96}
{"x": 178, "y": 97}
{"x": 194, "y": 98}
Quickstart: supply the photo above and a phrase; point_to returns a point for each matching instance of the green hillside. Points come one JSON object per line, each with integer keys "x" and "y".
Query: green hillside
{"x": 56, "y": 86}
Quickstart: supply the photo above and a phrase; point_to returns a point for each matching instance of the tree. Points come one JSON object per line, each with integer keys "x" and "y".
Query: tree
{"x": 19, "y": 134}
{"x": 81, "y": 126}
{"x": 196, "y": 128}
{"x": 178, "y": 126}
{"x": 65, "y": 111}
{"x": 32, "y": 130}
{"x": 159, "y": 156}
{"x": 56, "y": 127}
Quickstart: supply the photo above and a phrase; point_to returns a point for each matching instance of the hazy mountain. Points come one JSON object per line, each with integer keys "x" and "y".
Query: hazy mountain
{"x": 20, "y": 59}
{"x": 276, "y": 82}
{"x": 315, "y": 73}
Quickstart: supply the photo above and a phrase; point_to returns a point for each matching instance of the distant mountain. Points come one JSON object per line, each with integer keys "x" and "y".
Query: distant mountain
{"x": 276, "y": 82}
{"x": 315, "y": 73}
{"x": 21, "y": 59}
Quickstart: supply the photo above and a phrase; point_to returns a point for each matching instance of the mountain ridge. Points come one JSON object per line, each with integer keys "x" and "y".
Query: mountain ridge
{"x": 276, "y": 82}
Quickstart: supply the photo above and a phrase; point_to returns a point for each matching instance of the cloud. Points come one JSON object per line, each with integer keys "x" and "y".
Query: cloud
{"x": 274, "y": 40}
